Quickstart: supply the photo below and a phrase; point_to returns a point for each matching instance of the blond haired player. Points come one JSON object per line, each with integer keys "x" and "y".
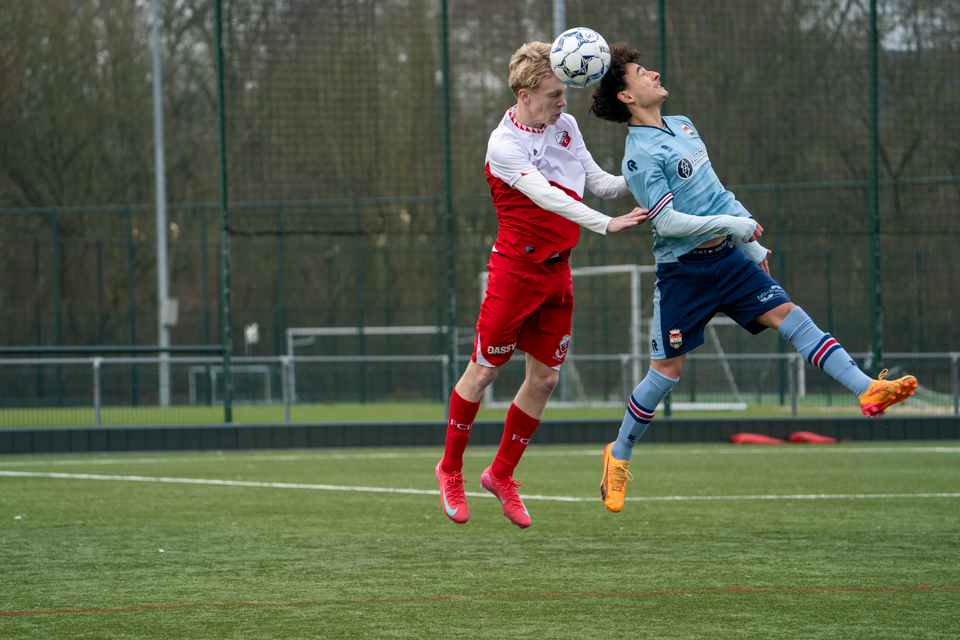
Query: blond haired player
{"x": 538, "y": 166}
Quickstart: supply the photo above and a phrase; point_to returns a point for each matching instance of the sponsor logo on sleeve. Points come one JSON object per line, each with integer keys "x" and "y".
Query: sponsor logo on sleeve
{"x": 689, "y": 130}
{"x": 631, "y": 165}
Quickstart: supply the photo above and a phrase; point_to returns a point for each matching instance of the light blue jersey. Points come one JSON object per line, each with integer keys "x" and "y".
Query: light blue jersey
{"x": 671, "y": 166}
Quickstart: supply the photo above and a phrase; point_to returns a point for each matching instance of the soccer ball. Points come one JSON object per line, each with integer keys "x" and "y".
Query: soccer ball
{"x": 580, "y": 57}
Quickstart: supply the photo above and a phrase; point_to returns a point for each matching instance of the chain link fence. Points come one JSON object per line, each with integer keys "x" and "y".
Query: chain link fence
{"x": 335, "y": 158}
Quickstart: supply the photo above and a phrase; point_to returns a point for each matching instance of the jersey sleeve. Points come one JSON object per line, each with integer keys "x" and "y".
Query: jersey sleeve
{"x": 647, "y": 182}
{"x": 580, "y": 147}
{"x": 508, "y": 159}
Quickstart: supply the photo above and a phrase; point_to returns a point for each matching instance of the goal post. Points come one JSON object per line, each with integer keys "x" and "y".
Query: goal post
{"x": 636, "y": 354}
{"x": 305, "y": 336}
{"x": 636, "y": 315}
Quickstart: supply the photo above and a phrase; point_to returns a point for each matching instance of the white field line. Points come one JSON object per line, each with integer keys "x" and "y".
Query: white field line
{"x": 332, "y": 487}
{"x": 643, "y": 451}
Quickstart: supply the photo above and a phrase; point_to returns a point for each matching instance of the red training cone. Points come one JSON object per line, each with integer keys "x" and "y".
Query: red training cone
{"x": 754, "y": 438}
{"x": 806, "y": 437}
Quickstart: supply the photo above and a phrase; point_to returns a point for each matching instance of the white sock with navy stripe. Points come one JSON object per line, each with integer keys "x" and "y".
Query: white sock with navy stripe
{"x": 641, "y": 405}
{"x": 823, "y": 351}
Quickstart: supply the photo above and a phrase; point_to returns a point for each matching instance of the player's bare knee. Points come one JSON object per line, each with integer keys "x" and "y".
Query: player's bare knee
{"x": 671, "y": 367}
{"x": 483, "y": 377}
{"x": 475, "y": 380}
{"x": 545, "y": 382}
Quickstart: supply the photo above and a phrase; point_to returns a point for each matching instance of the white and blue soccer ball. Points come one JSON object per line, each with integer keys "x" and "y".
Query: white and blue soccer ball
{"x": 580, "y": 57}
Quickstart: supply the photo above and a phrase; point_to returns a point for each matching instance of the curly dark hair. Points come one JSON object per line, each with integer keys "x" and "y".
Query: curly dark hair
{"x": 606, "y": 105}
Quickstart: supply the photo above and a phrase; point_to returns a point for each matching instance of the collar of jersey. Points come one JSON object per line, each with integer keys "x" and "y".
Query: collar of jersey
{"x": 513, "y": 110}
{"x": 666, "y": 127}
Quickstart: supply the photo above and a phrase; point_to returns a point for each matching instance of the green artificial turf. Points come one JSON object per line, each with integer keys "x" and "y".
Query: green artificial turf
{"x": 260, "y": 562}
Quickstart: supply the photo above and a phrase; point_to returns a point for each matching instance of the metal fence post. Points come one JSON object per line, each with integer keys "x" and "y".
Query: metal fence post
{"x": 131, "y": 306}
{"x": 636, "y": 322}
{"x": 226, "y": 337}
{"x": 955, "y": 369}
{"x": 625, "y": 362}
{"x": 792, "y": 382}
{"x": 285, "y": 392}
{"x": 96, "y": 390}
{"x": 778, "y": 230}
{"x": 57, "y": 314}
{"x": 445, "y": 385}
{"x": 873, "y": 205}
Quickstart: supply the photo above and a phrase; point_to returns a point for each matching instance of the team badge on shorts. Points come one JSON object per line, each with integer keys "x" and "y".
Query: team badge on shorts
{"x": 564, "y": 345}
{"x": 676, "y": 338}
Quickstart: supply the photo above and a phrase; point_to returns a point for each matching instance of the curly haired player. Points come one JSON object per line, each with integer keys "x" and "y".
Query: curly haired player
{"x": 538, "y": 166}
{"x": 708, "y": 260}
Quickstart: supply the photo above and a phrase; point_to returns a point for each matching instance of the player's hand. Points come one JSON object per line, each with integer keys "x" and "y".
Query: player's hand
{"x": 637, "y": 216}
{"x": 756, "y": 233}
{"x": 765, "y": 265}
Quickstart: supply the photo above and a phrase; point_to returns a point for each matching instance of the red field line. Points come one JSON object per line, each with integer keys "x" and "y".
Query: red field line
{"x": 922, "y": 587}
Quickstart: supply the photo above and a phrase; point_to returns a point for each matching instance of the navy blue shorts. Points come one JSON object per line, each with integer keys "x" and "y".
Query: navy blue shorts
{"x": 690, "y": 292}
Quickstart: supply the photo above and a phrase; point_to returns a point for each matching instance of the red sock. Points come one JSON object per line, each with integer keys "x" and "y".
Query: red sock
{"x": 516, "y": 437}
{"x": 462, "y": 414}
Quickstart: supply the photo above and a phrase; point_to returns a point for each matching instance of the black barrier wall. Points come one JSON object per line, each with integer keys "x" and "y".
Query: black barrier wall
{"x": 283, "y": 436}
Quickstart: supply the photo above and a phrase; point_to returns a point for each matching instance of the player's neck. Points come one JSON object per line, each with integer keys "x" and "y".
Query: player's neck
{"x": 523, "y": 116}
{"x": 648, "y": 117}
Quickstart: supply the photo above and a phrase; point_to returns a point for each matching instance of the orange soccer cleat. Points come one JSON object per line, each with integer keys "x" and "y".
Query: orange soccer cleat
{"x": 882, "y": 394}
{"x": 613, "y": 486}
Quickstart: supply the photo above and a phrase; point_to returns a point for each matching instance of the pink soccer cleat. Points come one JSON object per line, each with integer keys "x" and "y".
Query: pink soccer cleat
{"x": 506, "y": 493}
{"x": 452, "y": 498}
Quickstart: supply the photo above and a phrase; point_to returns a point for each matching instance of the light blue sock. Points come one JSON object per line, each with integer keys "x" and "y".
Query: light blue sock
{"x": 641, "y": 406}
{"x": 823, "y": 351}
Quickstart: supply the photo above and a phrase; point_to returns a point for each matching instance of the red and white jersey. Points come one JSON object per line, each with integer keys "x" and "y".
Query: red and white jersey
{"x": 527, "y": 231}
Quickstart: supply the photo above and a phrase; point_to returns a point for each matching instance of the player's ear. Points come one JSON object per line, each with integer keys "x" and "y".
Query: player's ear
{"x": 523, "y": 95}
{"x": 625, "y": 97}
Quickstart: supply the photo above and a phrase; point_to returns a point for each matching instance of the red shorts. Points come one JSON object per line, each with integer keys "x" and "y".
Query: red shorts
{"x": 528, "y": 307}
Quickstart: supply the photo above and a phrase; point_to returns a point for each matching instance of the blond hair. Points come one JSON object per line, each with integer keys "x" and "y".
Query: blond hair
{"x": 529, "y": 65}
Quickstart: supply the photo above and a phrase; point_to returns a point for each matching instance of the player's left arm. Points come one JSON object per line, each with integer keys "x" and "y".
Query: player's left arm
{"x": 604, "y": 185}
{"x": 753, "y": 250}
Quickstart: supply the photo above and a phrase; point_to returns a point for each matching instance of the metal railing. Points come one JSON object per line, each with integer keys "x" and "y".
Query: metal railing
{"x": 288, "y": 399}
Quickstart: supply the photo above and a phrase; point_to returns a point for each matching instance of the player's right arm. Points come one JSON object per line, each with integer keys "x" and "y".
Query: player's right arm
{"x": 546, "y": 196}
{"x": 511, "y": 164}
{"x": 649, "y": 185}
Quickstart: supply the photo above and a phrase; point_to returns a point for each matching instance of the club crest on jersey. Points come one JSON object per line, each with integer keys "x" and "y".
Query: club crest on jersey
{"x": 676, "y": 338}
{"x": 689, "y": 130}
{"x": 563, "y": 139}
{"x": 564, "y": 345}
